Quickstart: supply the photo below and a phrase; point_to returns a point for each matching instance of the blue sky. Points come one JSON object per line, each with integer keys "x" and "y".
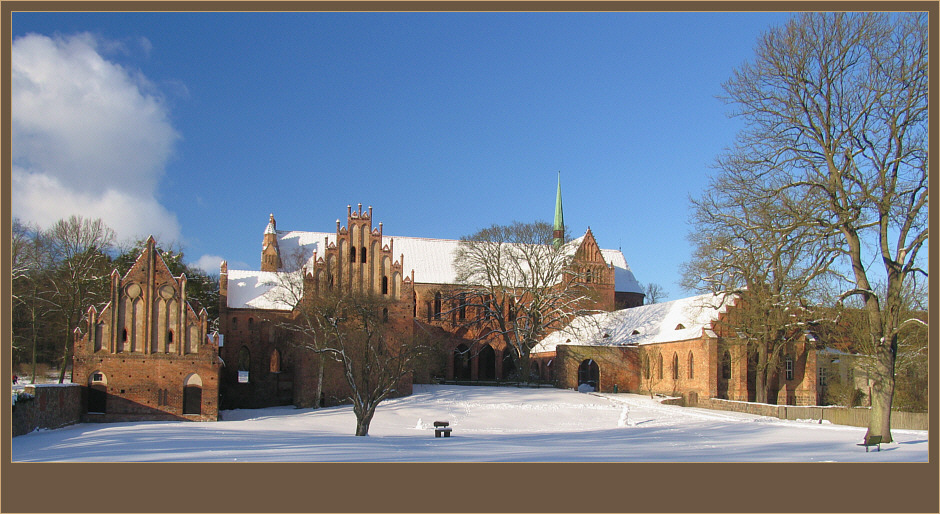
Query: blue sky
{"x": 201, "y": 124}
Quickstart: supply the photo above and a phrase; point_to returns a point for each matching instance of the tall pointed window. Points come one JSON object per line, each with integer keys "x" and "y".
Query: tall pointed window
{"x": 275, "y": 366}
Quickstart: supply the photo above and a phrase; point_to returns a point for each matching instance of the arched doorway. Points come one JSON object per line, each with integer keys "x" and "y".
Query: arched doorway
{"x": 462, "y": 362}
{"x": 97, "y": 393}
{"x": 724, "y": 374}
{"x": 192, "y": 395}
{"x": 509, "y": 365}
{"x": 589, "y": 373}
{"x": 535, "y": 370}
{"x": 487, "y": 363}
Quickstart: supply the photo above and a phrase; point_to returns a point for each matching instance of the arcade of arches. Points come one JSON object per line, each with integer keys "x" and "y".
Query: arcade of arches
{"x": 682, "y": 369}
{"x": 481, "y": 361}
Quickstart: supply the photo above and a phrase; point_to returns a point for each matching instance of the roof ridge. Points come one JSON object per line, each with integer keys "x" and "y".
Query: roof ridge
{"x": 423, "y": 238}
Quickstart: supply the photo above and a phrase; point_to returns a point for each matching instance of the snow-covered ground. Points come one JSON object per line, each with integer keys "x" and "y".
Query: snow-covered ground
{"x": 489, "y": 425}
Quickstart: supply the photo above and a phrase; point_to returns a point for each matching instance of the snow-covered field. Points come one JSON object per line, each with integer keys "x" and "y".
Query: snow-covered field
{"x": 489, "y": 425}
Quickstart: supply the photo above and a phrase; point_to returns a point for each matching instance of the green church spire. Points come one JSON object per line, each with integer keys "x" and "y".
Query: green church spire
{"x": 559, "y": 228}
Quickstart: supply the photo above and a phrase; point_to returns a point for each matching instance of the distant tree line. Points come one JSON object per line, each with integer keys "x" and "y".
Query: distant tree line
{"x": 58, "y": 272}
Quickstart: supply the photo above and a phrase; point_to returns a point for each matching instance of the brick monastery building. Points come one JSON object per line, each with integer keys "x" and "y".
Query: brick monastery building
{"x": 147, "y": 354}
{"x": 264, "y": 368}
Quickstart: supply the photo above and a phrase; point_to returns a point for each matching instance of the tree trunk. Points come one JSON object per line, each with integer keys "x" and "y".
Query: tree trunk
{"x": 67, "y": 359}
{"x": 882, "y": 395}
{"x": 363, "y": 419}
{"x": 760, "y": 386}
{"x": 32, "y": 313}
{"x": 760, "y": 376}
{"x": 319, "y": 391}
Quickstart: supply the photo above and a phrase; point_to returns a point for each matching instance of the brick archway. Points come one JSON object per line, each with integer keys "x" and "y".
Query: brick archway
{"x": 487, "y": 363}
{"x": 97, "y": 393}
{"x": 192, "y": 395}
{"x": 589, "y": 373}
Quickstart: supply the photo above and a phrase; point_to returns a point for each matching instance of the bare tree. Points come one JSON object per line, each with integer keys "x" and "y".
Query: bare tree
{"x": 653, "y": 293}
{"x": 375, "y": 359}
{"x": 835, "y": 105}
{"x": 30, "y": 270}
{"x": 78, "y": 249}
{"x": 349, "y": 328}
{"x": 749, "y": 243}
{"x": 306, "y": 321}
{"x": 518, "y": 285}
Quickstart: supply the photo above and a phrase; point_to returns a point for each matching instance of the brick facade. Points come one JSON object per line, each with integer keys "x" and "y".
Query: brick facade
{"x": 147, "y": 355}
{"x": 357, "y": 258}
{"x": 713, "y": 365}
{"x": 280, "y": 371}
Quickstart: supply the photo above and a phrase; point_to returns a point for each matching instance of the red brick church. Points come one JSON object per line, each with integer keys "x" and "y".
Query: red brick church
{"x": 264, "y": 368}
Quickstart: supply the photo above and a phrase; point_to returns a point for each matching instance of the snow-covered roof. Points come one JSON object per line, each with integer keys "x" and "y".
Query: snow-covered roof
{"x": 257, "y": 290}
{"x": 431, "y": 259}
{"x": 678, "y": 320}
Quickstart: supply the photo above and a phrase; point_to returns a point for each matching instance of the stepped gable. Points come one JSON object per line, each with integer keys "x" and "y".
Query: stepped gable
{"x": 147, "y": 354}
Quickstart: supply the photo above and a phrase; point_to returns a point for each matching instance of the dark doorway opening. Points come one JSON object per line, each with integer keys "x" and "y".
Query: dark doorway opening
{"x": 589, "y": 373}
{"x": 462, "y": 362}
{"x": 97, "y": 399}
{"x": 724, "y": 374}
{"x": 487, "y": 363}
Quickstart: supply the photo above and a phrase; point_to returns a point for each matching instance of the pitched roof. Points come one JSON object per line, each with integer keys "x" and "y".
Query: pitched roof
{"x": 431, "y": 259}
{"x": 256, "y": 290}
{"x": 677, "y": 320}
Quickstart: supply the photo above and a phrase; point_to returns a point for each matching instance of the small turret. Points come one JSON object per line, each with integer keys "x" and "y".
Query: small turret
{"x": 270, "y": 253}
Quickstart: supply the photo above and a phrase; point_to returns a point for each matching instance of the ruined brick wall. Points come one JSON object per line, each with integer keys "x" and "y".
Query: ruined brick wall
{"x": 48, "y": 406}
{"x": 271, "y": 352}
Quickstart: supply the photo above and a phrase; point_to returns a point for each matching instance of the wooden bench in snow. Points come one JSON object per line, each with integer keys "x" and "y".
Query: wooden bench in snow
{"x": 872, "y": 440}
{"x": 442, "y": 428}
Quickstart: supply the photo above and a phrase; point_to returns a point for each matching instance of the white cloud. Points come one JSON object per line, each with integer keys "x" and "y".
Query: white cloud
{"x": 209, "y": 264}
{"x": 43, "y": 199}
{"x": 89, "y": 137}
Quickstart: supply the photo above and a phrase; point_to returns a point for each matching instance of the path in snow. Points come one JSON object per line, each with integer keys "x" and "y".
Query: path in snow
{"x": 489, "y": 424}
